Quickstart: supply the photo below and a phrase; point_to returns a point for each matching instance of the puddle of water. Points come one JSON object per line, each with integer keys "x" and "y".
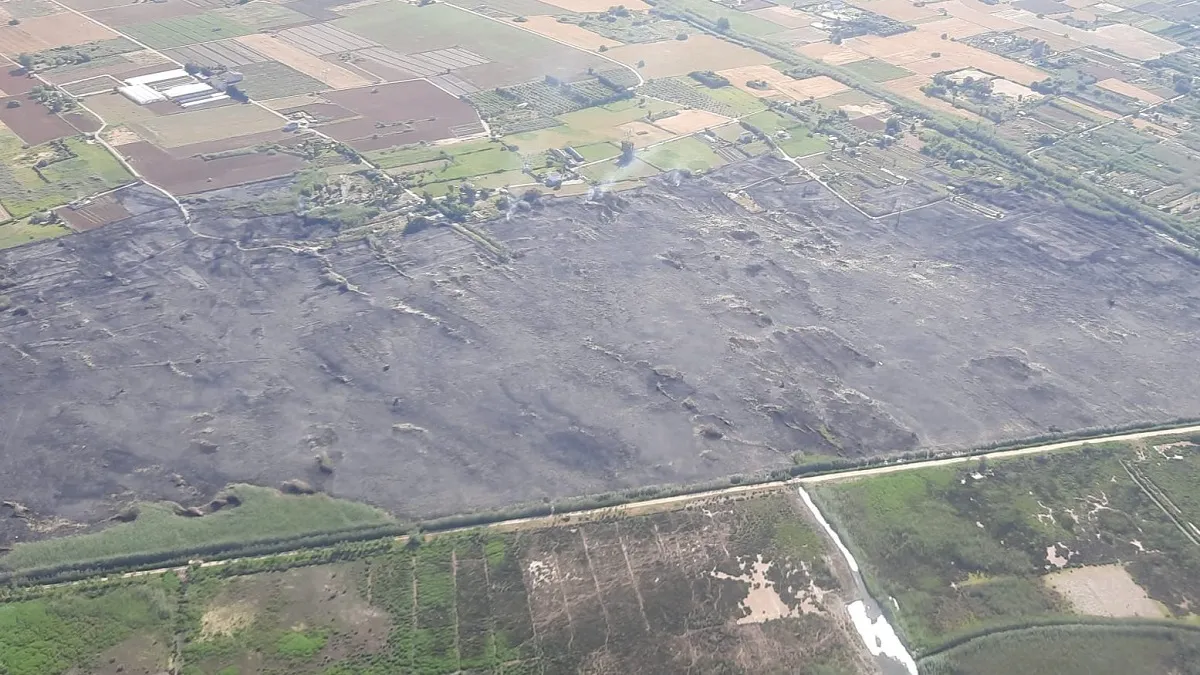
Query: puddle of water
{"x": 829, "y": 530}
{"x": 880, "y": 637}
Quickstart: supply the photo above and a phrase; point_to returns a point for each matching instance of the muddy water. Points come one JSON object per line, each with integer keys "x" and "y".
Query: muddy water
{"x": 872, "y": 626}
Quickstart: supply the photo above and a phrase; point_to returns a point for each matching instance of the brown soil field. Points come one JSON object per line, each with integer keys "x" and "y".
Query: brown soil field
{"x": 642, "y": 134}
{"x": 691, "y": 121}
{"x": 952, "y": 27}
{"x": 1131, "y": 90}
{"x": 1106, "y": 114}
{"x": 1103, "y": 590}
{"x": 413, "y": 111}
{"x": 13, "y": 81}
{"x": 1152, "y": 127}
{"x": 576, "y": 36}
{"x": 125, "y": 15}
{"x": 331, "y": 74}
{"x": 836, "y": 55}
{"x": 785, "y": 16}
{"x": 910, "y": 87}
{"x": 120, "y": 135}
{"x": 293, "y": 102}
{"x": 83, "y": 121}
{"x": 591, "y": 6}
{"x": 192, "y": 175}
{"x": 32, "y": 121}
{"x": 46, "y": 32}
{"x": 320, "y": 111}
{"x": 669, "y": 58}
{"x": 780, "y": 84}
{"x": 914, "y": 51}
{"x": 210, "y": 124}
{"x": 101, "y": 211}
{"x": 904, "y": 11}
{"x": 236, "y": 143}
{"x": 981, "y": 15}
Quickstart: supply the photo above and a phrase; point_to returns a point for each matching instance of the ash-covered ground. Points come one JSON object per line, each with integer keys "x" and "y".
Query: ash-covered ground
{"x": 668, "y": 335}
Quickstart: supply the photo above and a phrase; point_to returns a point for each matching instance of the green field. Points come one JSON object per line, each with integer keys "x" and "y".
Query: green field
{"x": 263, "y": 514}
{"x": 92, "y": 169}
{"x": 186, "y": 30}
{"x": 739, "y": 22}
{"x": 964, "y": 549}
{"x": 801, "y": 143}
{"x": 17, "y": 232}
{"x": 261, "y": 15}
{"x": 688, "y": 153}
{"x": 468, "y": 602}
{"x": 876, "y": 70}
{"x": 1073, "y": 650}
{"x": 51, "y": 634}
{"x": 272, "y": 79}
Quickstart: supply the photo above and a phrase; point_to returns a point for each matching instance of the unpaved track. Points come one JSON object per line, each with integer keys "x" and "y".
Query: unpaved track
{"x": 663, "y": 503}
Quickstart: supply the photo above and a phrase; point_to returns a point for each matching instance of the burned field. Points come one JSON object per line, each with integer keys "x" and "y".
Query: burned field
{"x": 667, "y": 336}
{"x": 729, "y": 586}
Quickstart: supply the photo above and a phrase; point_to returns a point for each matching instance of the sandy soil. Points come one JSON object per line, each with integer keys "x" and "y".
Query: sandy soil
{"x": 668, "y": 58}
{"x": 331, "y": 74}
{"x": 691, "y": 121}
{"x": 785, "y": 16}
{"x": 1130, "y": 90}
{"x": 576, "y": 36}
{"x": 798, "y": 90}
{"x": 1103, "y": 590}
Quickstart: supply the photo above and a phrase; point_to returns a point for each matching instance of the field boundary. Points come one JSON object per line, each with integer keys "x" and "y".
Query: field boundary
{"x": 1030, "y": 625}
{"x": 606, "y": 504}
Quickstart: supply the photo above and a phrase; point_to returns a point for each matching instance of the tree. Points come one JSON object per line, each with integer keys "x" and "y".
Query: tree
{"x": 893, "y": 127}
{"x": 722, "y": 24}
{"x": 25, "y": 61}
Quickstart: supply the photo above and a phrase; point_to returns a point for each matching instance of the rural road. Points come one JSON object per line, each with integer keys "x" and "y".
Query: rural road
{"x": 1002, "y": 454}
{"x": 658, "y": 504}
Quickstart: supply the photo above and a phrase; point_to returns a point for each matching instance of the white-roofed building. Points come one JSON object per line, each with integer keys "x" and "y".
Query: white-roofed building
{"x": 141, "y": 94}
{"x": 157, "y": 77}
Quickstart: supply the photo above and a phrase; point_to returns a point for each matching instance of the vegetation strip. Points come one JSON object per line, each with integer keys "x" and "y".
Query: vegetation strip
{"x": 590, "y": 506}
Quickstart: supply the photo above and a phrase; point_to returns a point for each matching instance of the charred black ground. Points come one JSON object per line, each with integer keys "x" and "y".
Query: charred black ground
{"x": 664, "y": 335}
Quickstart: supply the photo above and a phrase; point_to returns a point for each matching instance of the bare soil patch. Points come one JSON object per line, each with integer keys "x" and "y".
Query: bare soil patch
{"x": 100, "y": 211}
{"x": 690, "y": 121}
{"x": 593, "y": 6}
{"x": 780, "y": 84}
{"x": 904, "y": 11}
{"x": 569, "y": 33}
{"x": 1103, "y": 590}
{"x": 55, "y": 30}
{"x": 276, "y": 49}
{"x": 785, "y": 16}
{"x": 401, "y": 113}
{"x": 14, "y": 81}
{"x": 210, "y": 124}
{"x": 910, "y": 87}
{"x": 32, "y": 121}
{"x": 830, "y": 53}
{"x": 190, "y": 175}
{"x": 669, "y": 58}
{"x": 642, "y": 134}
{"x": 1131, "y": 90}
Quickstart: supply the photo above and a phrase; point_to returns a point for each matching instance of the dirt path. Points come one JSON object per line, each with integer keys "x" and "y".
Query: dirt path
{"x": 667, "y": 503}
